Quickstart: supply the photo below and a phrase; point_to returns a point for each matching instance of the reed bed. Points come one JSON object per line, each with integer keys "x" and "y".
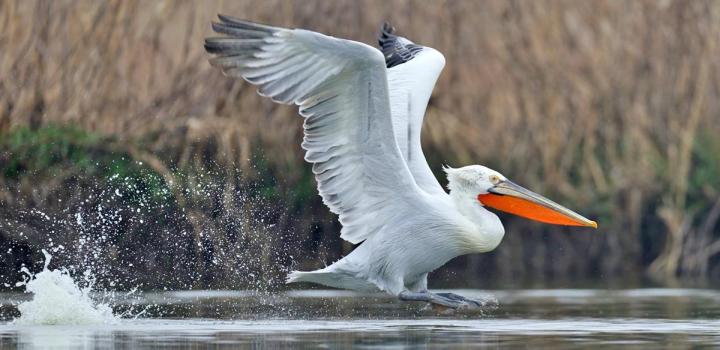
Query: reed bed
{"x": 608, "y": 106}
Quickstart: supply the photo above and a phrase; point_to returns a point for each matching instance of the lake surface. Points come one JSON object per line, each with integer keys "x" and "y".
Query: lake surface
{"x": 558, "y": 319}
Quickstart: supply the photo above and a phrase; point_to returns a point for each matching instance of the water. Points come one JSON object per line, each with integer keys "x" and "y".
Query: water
{"x": 57, "y": 299}
{"x": 558, "y": 319}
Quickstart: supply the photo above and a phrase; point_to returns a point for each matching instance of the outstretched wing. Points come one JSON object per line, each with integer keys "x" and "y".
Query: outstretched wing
{"x": 412, "y": 72}
{"x": 341, "y": 88}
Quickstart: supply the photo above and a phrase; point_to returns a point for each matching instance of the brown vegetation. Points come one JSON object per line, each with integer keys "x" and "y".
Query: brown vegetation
{"x": 609, "y": 106}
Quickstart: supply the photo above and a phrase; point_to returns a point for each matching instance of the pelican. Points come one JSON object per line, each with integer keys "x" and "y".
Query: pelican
{"x": 363, "y": 110}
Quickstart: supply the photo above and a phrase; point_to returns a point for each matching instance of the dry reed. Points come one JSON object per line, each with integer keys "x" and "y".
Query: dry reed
{"x": 595, "y": 103}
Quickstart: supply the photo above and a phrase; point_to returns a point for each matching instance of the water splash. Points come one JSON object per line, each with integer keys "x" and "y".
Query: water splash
{"x": 58, "y": 299}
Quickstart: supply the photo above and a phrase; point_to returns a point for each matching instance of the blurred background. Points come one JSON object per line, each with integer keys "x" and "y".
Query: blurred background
{"x": 123, "y": 152}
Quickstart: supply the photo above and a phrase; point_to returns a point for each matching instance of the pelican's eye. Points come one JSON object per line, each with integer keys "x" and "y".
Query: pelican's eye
{"x": 494, "y": 179}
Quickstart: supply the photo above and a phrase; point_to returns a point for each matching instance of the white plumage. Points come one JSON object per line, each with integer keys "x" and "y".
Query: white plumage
{"x": 363, "y": 112}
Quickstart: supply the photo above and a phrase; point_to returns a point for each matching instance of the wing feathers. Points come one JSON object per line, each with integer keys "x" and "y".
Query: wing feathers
{"x": 247, "y": 25}
{"x": 341, "y": 89}
{"x": 412, "y": 73}
{"x": 397, "y": 50}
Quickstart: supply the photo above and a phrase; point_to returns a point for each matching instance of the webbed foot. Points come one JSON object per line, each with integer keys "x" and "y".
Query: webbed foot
{"x": 448, "y": 300}
{"x": 453, "y": 296}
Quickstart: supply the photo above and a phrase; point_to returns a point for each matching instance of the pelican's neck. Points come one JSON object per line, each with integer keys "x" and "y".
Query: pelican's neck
{"x": 487, "y": 231}
{"x": 468, "y": 205}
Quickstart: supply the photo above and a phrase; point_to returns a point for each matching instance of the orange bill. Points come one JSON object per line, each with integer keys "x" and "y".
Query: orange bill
{"x": 511, "y": 198}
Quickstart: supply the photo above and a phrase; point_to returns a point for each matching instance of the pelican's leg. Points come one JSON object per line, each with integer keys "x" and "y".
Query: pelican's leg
{"x": 439, "y": 299}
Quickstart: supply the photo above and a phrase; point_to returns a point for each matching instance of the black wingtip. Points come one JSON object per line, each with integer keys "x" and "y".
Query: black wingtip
{"x": 396, "y": 49}
{"x": 245, "y": 24}
{"x": 386, "y": 33}
{"x": 211, "y": 46}
{"x": 387, "y": 28}
{"x": 226, "y": 18}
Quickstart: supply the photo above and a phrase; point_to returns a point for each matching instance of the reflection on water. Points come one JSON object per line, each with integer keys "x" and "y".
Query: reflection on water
{"x": 640, "y": 318}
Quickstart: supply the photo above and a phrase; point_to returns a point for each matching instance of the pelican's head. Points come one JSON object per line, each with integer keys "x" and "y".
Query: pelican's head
{"x": 494, "y": 190}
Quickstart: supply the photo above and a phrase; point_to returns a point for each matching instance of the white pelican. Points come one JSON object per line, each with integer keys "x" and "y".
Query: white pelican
{"x": 363, "y": 111}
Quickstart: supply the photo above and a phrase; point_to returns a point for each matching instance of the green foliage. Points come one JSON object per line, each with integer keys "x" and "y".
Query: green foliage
{"x": 704, "y": 181}
{"x": 25, "y": 149}
{"x": 54, "y": 150}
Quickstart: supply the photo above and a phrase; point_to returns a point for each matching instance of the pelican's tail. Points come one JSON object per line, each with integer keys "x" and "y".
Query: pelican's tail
{"x": 319, "y": 277}
{"x": 335, "y": 279}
